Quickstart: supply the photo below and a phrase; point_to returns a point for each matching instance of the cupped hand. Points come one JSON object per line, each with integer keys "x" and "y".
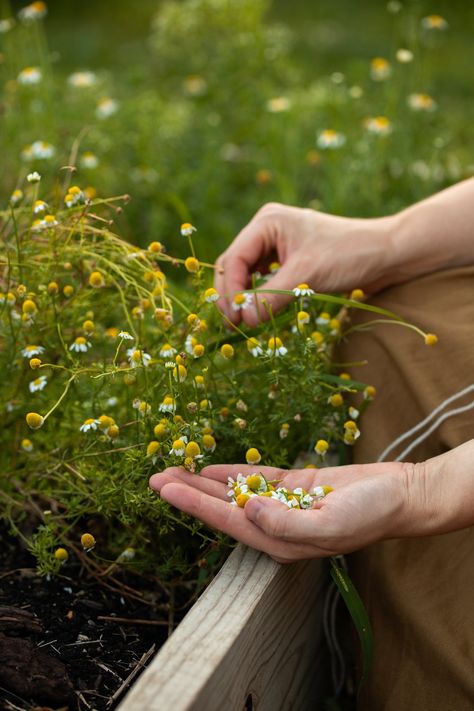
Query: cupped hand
{"x": 327, "y": 252}
{"x": 368, "y": 503}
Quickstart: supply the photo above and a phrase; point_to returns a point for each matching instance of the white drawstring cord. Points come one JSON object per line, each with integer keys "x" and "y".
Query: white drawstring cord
{"x": 424, "y": 422}
{"x": 444, "y": 416}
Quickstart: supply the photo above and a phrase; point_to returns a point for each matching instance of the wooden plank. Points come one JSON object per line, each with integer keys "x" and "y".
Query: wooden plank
{"x": 253, "y": 640}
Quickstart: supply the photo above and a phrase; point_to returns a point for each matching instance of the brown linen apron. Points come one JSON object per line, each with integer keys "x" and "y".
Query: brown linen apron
{"x": 419, "y": 592}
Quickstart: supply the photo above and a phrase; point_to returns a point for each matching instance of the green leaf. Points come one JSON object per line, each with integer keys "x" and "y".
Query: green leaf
{"x": 358, "y": 614}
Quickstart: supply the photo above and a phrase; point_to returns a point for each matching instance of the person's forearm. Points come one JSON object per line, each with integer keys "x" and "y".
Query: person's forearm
{"x": 439, "y": 494}
{"x": 434, "y": 234}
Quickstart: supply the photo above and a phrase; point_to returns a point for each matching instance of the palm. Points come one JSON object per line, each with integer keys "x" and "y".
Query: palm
{"x": 350, "y": 517}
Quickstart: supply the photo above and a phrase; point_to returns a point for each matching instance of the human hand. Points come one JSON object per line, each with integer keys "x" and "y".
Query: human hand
{"x": 368, "y": 503}
{"x": 327, "y": 252}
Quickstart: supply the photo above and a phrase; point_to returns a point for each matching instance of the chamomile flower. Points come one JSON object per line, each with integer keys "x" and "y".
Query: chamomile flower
{"x": 208, "y": 443}
{"x": 254, "y": 347}
{"x": 275, "y": 347}
{"x": 187, "y": 229}
{"x": 434, "y": 22}
{"x": 143, "y": 407}
{"x": 168, "y": 404}
{"x": 353, "y": 413}
{"x": 253, "y": 456}
{"x": 29, "y": 76}
{"x": 137, "y": 357}
{"x": 30, "y": 351}
{"x": 278, "y": 104}
{"x": 38, "y": 150}
{"x": 167, "y": 351}
{"x": 211, "y": 295}
{"x": 80, "y": 345}
{"x": 330, "y": 139}
{"x": 27, "y": 445}
{"x": 16, "y": 197}
{"x": 321, "y": 447}
{"x": 180, "y": 373}
{"x": 38, "y": 384}
{"x": 421, "y": 102}
{"x": 40, "y": 206}
{"x": 89, "y": 425}
{"x": 351, "y": 432}
{"x": 303, "y": 290}
{"x": 82, "y": 80}
{"x": 125, "y": 335}
{"x": 89, "y": 160}
{"x": 404, "y": 56}
{"x": 106, "y": 107}
{"x": 302, "y": 318}
{"x": 380, "y": 69}
{"x": 378, "y": 125}
{"x": 178, "y": 447}
{"x": 284, "y": 430}
{"x": 242, "y": 301}
{"x": 35, "y": 11}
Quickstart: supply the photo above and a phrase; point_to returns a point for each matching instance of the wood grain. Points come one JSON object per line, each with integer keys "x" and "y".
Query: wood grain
{"x": 253, "y": 641}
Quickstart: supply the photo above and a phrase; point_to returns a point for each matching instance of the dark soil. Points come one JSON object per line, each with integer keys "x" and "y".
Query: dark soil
{"x": 62, "y": 643}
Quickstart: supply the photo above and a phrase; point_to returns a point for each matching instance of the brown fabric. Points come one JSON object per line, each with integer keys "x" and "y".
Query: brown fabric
{"x": 419, "y": 592}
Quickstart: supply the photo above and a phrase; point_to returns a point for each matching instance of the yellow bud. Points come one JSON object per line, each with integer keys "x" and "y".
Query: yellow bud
{"x": 180, "y": 373}
{"x": 105, "y": 422}
{"x": 227, "y": 351}
{"x": 191, "y": 264}
{"x": 350, "y": 425}
{"x": 34, "y": 421}
{"x": 336, "y": 400}
{"x": 253, "y": 456}
{"x": 96, "y": 280}
{"x": 155, "y": 247}
{"x": 35, "y": 363}
{"x": 321, "y": 446}
{"x": 68, "y": 290}
{"x": 208, "y": 442}
{"x": 61, "y": 554}
{"x": 53, "y": 288}
{"x": 241, "y": 500}
{"x": 152, "y": 448}
{"x": 431, "y": 339}
{"x": 254, "y": 481}
{"x": 88, "y": 326}
{"x": 29, "y": 307}
{"x": 113, "y": 432}
{"x": 192, "y": 318}
{"x": 192, "y": 449}
{"x": 160, "y": 430}
{"x": 87, "y": 541}
{"x": 198, "y": 350}
{"x": 370, "y": 392}
{"x": 357, "y": 295}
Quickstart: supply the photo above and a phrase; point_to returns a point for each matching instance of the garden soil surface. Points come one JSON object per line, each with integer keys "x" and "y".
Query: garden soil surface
{"x": 70, "y": 642}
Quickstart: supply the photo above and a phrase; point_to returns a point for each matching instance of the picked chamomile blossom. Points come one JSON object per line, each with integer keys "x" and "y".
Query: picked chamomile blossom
{"x": 245, "y": 487}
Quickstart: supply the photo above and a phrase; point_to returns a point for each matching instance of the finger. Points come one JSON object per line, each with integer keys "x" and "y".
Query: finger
{"x": 177, "y": 474}
{"x": 285, "y": 279}
{"x": 231, "y": 520}
{"x": 240, "y": 260}
{"x": 221, "y": 472}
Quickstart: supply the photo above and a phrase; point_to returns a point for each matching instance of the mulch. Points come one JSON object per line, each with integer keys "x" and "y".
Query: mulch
{"x": 70, "y": 642}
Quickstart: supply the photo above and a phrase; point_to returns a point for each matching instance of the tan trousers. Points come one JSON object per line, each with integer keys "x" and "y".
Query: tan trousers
{"x": 419, "y": 592}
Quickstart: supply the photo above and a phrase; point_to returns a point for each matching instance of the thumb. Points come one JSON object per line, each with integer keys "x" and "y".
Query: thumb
{"x": 279, "y": 521}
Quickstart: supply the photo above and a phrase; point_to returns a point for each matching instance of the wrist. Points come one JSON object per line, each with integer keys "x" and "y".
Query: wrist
{"x": 437, "y": 494}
